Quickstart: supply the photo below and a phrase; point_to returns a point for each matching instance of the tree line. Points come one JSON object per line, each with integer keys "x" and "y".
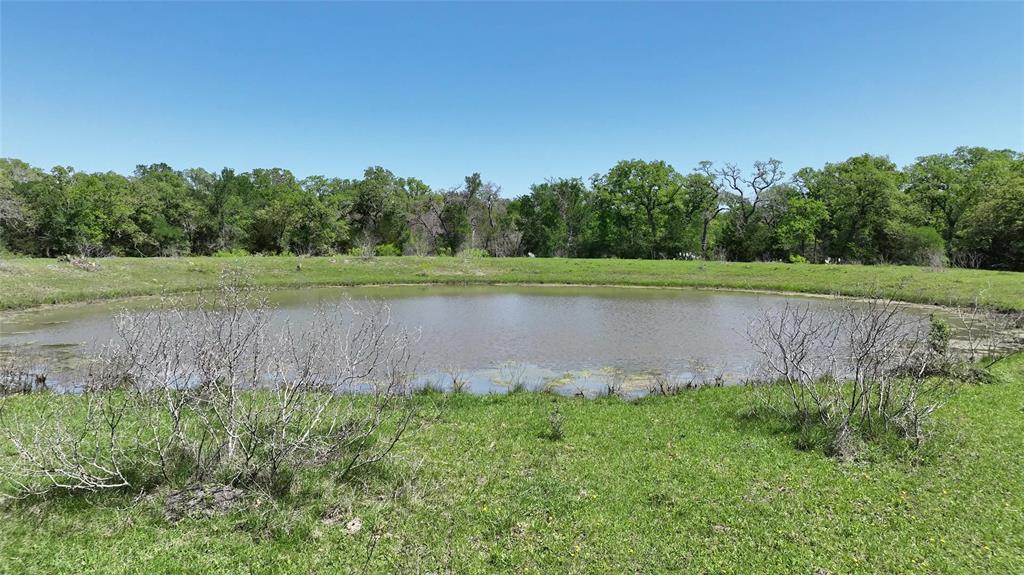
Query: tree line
{"x": 965, "y": 208}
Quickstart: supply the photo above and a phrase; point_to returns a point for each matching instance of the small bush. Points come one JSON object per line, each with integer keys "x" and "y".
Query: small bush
{"x": 859, "y": 373}
{"x": 555, "y": 429}
{"x": 363, "y": 252}
{"x": 235, "y": 253}
{"x": 17, "y": 375}
{"x": 221, "y": 395}
{"x": 797, "y": 259}
{"x": 939, "y": 334}
{"x": 430, "y": 387}
{"x": 512, "y": 375}
{"x": 917, "y": 245}
{"x": 457, "y": 381}
{"x": 474, "y": 253}
{"x": 665, "y": 385}
{"x": 388, "y": 250}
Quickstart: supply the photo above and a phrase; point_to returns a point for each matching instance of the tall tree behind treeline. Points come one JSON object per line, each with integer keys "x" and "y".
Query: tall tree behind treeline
{"x": 965, "y": 208}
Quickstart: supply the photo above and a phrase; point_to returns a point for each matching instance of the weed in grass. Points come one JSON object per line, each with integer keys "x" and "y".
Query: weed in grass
{"x": 555, "y": 424}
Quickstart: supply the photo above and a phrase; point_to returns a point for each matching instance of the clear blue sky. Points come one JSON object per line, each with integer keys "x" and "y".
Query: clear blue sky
{"x": 519, "y": 92}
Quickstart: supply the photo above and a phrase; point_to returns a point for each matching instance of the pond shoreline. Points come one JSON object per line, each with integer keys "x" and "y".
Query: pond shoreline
{"x": 27, "y": 283}
{"x": 6, "y": 314}
{"x": 475, "y": 332}
{"x": 730, "y": 481}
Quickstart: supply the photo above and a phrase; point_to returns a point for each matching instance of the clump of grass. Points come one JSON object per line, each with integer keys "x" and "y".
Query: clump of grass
{"x": 430, "y": 387}
{"x": 555, "y": 429}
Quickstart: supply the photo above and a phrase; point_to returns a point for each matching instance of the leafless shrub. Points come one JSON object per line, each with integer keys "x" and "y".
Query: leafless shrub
{"x": 615, "y": 384}
{"x": 695, "y": 382}
{"x": 513, "y": 375}
{"x": 17, "y": 375}
{"x": 457, "y": 381}
{"x": 718, "y": 380}
{"x": 663, "y": 384}
{"x": 611, "y": 389}
{"x": 83, "y": 263}
{"x": 90, "y": 249}
{"x": 967, "y": 259}
{"x": 987, "y": 336}
{"x": 858, "y": 371}
{"x": 220, "y": 393}
{"x": 368, "y": 247}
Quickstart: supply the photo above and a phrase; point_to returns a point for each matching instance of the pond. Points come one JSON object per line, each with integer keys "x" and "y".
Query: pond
{"x": 570, "y": 339}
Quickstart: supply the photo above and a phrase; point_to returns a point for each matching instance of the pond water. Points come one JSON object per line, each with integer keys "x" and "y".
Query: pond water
{"x": 572, "y": 339}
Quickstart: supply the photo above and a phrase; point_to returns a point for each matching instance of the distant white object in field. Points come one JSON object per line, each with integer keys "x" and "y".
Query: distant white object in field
{"x": 530, "y": 254}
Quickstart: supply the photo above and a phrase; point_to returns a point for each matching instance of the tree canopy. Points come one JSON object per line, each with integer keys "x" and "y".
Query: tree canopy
{"x": 963, "y": 208}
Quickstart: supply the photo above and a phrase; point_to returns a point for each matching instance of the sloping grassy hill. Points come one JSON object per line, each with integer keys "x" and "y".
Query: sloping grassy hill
{"x": 664, "y": 485}
{"x": 31, "y": 282}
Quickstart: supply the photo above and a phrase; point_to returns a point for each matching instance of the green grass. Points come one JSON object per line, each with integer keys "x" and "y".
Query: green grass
{"x": 32, "y": 282}
{"x": 664, "y": 485}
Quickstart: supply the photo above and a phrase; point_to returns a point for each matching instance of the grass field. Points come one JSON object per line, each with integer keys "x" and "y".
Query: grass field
{"x": 32, "y": 282}
{"x": 661, "y": 485}
{"x": 678, "y": 484}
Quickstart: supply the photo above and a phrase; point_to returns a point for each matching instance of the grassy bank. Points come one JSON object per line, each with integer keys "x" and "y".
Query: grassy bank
{"x": 679, "y": 484}
{"x": 32, "y": 282}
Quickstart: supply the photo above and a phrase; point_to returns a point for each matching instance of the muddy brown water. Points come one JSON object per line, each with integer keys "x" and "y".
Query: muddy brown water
{"x": 573, "y": 339}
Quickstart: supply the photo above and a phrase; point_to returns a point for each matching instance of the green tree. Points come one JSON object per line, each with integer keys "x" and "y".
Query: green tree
{"x": 861, "y": 195}
{"x": 703, "y": 203}
{"x": 801, "y": 225}
{"x": 174, "y": 215}
{"x": 16, "y": 216}
{"x": 554, "y": 217}
{"x": 635, "y": 196}
{"x": 379, "y": 207}
{"x": 454, "y": 222}
{"x": 947, "y": 189}
{"x": 743, "y": 195}
{"x": 994, "y": 228}
{"x": 224, "y": 198}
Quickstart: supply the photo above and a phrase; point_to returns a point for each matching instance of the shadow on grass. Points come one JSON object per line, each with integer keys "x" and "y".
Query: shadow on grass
{"x": 878, "y": 446}
{"x": 305, "y": 491}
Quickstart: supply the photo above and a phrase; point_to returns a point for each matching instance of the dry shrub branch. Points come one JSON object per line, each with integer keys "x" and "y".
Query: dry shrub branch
{"x": 221, "y": 392}
{"x": 860, "y": 371}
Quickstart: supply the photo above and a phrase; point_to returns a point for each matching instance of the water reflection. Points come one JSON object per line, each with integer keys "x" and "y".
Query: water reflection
{"x": 566, "y": 339}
